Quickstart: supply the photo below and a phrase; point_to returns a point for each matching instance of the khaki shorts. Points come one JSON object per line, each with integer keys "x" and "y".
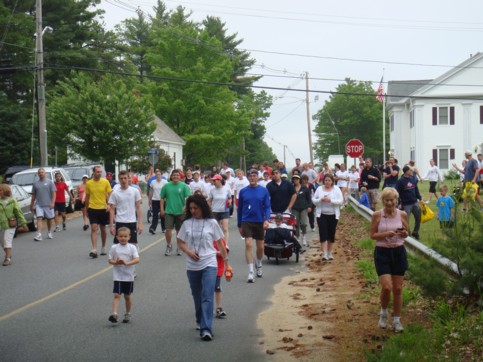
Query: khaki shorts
{"x": 373, "y": 196}
{"x": 6, "y": 238}
{"x": 173, "y": 221}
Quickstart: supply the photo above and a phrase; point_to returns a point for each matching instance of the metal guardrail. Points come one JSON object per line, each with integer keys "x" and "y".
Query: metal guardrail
{"x": 414, "y": 244}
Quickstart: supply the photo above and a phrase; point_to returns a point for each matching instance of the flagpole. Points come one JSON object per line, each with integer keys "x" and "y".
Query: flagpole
{"x": 383, "y": 124}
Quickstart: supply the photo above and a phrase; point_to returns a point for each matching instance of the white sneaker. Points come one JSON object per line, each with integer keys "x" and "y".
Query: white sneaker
{"x": 304, "y": 240}
{"x": 103, "y": 251}
{"x": 57, "y": 228}
{"x": 38, "y": 237}
{"x": 383, "y": 321}
{"x": 397, "y": 327}
{"x": 259, "y": 271}
{"x": 329, "y": 256}
{"x": 324, "y": 256}
{"x": 250, "y": 278}
{"x": 49, "y": 235}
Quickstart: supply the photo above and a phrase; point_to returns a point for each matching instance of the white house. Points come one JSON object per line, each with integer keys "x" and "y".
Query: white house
{"x": 438, "y": 119}
{"x": 169, "y": 141}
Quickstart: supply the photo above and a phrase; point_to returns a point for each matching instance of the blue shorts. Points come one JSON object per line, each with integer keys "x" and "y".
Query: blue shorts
{"x": 392, "y": 261}
{"x": 123, "y": 287}
{"x": 218, "y": 285}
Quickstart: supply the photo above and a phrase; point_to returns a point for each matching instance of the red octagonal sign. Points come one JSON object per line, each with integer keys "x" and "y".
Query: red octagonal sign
{"x": 354, "y": 148}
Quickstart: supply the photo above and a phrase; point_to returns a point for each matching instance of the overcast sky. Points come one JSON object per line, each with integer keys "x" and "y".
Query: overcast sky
{"x": 332, "y": 40}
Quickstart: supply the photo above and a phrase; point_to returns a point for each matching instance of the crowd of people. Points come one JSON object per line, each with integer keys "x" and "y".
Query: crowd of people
{"x": 195, "y": 208}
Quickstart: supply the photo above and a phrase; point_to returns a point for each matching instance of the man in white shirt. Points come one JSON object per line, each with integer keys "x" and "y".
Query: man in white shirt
{"x": 155, "y": 200}
{"x": 240, "y": 182}
{"x": 125, "y": 209}
{"x": 225, "y": 168}
{"x": 230, "y": 184}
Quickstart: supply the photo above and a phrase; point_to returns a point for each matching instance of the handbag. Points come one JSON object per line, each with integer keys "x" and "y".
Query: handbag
{"x": 426, "y": 213}
{"x": 12, "y": 222}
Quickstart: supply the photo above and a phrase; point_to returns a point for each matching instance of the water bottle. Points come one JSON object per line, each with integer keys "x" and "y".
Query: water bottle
{"x": 228, "y": 273}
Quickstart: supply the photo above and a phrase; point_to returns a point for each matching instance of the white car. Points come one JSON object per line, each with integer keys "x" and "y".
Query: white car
{"x": 26, "y": 179}
{"x": 23, "y": 198}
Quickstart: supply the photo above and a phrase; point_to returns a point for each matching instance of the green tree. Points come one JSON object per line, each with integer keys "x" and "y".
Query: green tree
{"x": 351, "y": 112}
{"x": 102, "y": 120}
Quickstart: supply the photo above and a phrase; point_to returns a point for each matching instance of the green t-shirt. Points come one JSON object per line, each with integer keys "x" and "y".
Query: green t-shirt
{"x": 174, "y": 196}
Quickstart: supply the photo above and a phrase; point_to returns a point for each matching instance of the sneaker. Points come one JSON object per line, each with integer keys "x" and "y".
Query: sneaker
{"x": 329, "y": 256}
{"x": 63, "y": 226}
{"x": 8, "y": 262}
{"x": 127, "y": 318}
{"x": 85, "y": 227}
{"x": 197, "y": 327}
{"x": 38, "y": 237}
{"x": 113, "y": 318}
{"x": 324, "y": 256}
{"x": 168, "y": 250}
{"x": 163, "y": 231}
{"x": 313, "y": 230}
{"x": 259, "y": 271}
{"x": 250, "y": 278}
{"x": 397, "y": 327}
{"x": 93, "y": 253}
{"x": 206, "y": 336}
{"x": 103, "y": 251}
{"x": 304, "y": 240}
{"x": 57, "y": 228}
{"x": 383, "y": 321}
{"x": 178, "y": 252}
{"x": 151, "y": 231}
{"x": 50, "y": 236}
{"x": 220, "y": 313}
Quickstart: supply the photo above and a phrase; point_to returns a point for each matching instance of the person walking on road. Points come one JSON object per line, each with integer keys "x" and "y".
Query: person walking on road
{"x": 80, "y": 197}
{"x": 11, "y": 217}
{"x": 253, "y": 215}
{"x": 282, "y": 194}
{"x": 407, "y": 187}
{"x": 98, "y": 190}
{"x": 125, "y": 209}
{"x": 123, "y": 256}
{"x": 155, "y": 201}
{"x": 195, "y": 239}
{"x": 301, "y": 207}
{"x": 173, "y": 197}
{"x": 43, "y": 197}
{"x": 389, "y": 228}
{"x": 59, "y": 207}
{"x": 219, "y": 200}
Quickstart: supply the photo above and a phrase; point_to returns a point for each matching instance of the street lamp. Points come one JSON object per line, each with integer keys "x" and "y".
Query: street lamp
{"x": 336, "y": 130}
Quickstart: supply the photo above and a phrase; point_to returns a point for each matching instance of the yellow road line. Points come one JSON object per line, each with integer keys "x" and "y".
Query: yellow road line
{"x": 69, "y": 287}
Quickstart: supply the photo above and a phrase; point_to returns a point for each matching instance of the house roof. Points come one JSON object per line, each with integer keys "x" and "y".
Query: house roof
{"x": 398, "y": 90}
{"x": 163, "y": 133}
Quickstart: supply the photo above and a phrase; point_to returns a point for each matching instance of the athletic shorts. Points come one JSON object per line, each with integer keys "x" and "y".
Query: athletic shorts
{"x": 218, "y": 285}
{"x": 133, "y": 227}
{"x": 98, "y": 216}
{"x": 432, "y": 187}
{"x": 44, "y": 212}
{"x": 253, "y": 230}
{"x": 221, "y": 215}
{"x": 373, "y": 195}
{"x": 173, "y": 221}
{"x": 123, "y": 287}
{"x": 6, "y": 237}
{"x": 391, "y": 261}
{"x": 59, "y": 207}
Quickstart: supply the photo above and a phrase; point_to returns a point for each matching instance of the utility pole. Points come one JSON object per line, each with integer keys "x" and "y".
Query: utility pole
{"x": 308, "y": 116}
{"x": 41, "y": 85}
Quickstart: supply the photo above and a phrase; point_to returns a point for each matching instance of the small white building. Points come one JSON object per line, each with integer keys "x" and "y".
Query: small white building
{"x": 437, "y": 119}
{"x": 169, "y": 141}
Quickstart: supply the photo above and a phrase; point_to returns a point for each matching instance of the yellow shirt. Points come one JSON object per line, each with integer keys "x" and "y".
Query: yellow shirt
{"x": 98, "y": 191}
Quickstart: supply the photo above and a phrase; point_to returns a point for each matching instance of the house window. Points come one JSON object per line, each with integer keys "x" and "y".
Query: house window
{"x": 443, "y": 116}
{"x": 443, "y": 157}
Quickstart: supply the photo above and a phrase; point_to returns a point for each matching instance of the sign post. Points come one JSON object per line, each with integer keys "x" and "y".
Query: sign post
{"x": 153, "y": 155}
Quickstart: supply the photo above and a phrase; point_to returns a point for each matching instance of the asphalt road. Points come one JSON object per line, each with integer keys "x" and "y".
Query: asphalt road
{"x": 55, "y": 301}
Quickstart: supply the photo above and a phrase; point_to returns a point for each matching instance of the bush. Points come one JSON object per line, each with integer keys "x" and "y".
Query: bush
{"x": 452, "y": 175}
{"x": 428, "y": 275}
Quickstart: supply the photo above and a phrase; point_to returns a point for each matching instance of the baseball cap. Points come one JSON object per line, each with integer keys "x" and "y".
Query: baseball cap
{"x": 294, "y": 176}
{"x": 284, "y": 175}
{"x": 468, "y": 152}
{"x": 217, "y": 177}
{"x": 85, "y": 176}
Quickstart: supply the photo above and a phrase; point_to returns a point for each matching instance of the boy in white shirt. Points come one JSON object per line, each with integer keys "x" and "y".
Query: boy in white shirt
{"x": 123, "y": 257}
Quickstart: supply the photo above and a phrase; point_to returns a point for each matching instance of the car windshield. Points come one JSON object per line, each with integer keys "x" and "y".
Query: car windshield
{"x": 76, "y": 173}
{"x": 18, "y": 193}
{"x": 27, "y": 179}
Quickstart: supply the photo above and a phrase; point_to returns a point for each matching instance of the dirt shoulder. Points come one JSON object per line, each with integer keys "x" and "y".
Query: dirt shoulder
{"x": 326, "y": 310}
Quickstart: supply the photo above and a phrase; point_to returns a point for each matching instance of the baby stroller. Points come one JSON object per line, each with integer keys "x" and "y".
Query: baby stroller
{"x": 280, "y": 242}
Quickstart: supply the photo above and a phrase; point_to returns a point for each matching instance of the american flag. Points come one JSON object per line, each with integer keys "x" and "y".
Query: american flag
{"x": 380, "y": 92}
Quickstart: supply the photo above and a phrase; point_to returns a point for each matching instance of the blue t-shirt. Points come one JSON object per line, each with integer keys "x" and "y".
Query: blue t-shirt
{"x": 444, "y": 205}
{"x": 470, "y": 169}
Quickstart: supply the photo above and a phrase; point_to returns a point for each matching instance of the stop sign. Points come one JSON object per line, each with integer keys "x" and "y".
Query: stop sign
{"x": 354, "y": 148}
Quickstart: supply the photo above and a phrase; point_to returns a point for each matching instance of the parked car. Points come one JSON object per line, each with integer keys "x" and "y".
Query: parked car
{"x": 24, "y": 199}
{"x": 77, "y": 171}
{"x": 26, "y": 179}
{"x": 12, "y": 170}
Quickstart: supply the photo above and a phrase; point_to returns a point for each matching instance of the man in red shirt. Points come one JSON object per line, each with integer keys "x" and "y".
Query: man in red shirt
{"x": 59, "y": 206}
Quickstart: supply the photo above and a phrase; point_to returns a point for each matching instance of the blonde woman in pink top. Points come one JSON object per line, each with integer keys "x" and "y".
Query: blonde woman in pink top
{"x": 389, "y": 227}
